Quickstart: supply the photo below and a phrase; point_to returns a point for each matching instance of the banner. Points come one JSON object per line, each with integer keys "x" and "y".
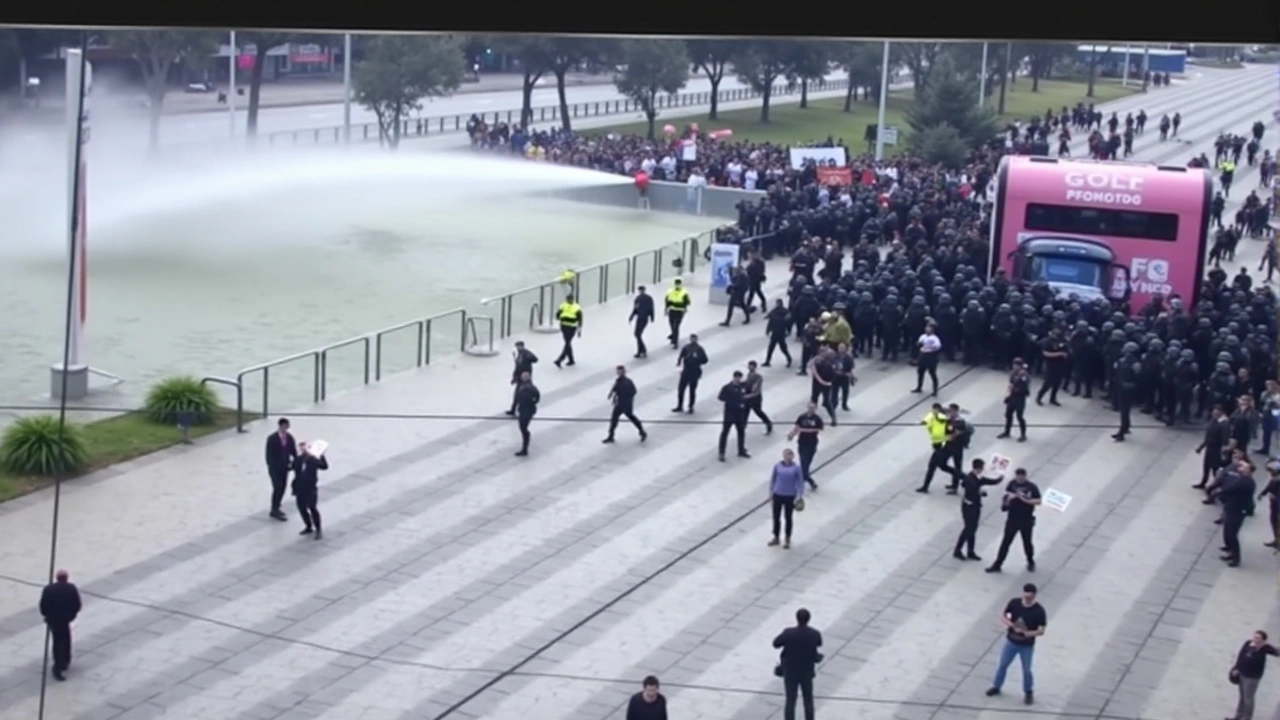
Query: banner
{"x": 835, "y": 176}
{"x": 820, "y": 155}
{"x": 724, "y": 258}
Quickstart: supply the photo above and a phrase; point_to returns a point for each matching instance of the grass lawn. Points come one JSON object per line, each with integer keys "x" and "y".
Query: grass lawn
{"x": 790, "y": 125}
{"x": 115, "y": 440}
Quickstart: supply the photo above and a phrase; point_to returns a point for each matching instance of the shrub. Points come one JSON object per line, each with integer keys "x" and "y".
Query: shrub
{"x": 183, "y": 393}
{"x": 941, "y": 144}
{"x": 40, "y": 446}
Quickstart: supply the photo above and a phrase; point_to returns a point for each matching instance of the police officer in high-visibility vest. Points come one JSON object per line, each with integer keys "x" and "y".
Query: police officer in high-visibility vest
{"x": 676, "y": 305}
{"x": 1228, "y": 168}
{"x": 941, "y": 433}
{"x": 570, "y": 318}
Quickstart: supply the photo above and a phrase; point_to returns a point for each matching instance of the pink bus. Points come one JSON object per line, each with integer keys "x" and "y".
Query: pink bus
{"x": 1118, "y": 230}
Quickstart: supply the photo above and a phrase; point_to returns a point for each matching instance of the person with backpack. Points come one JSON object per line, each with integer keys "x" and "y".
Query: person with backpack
{"x": 961, "y": 436}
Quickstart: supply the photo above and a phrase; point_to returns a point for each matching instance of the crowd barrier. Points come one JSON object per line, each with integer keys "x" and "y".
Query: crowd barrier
{"x": 315, "y": 374}
{"x": 430, "y": 126}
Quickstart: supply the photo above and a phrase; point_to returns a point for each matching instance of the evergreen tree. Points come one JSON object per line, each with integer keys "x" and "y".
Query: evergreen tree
{"x": 952, "y": 100}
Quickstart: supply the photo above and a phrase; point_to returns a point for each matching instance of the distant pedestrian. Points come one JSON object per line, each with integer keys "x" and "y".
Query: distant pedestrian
{"x": 786, "y": 494}
{"x": 569, "y": 315}
{"x": 523, "y": 361}
{"x": 648, "y": 704}
{"x": 1246, "y": 673}
{"x": 281, "y": 452}
{"x": 1024, "y": 620}
{"x": 675, "y": 305}
{"x": 755, "y": 396}
{"x": 306, "y": 489}
{"x": 623, "y": 397}
{"x": 807, "y": 430}
{"x": 1021, "y": 498}
{"x": 59, "y": 605}
{"x": 690, "y": 362}
{"x": 798, "y": 663}
{"x": 527, "y": 399}
{"x": 928, "y": 346}
{"x": 642, "y": 313}
{"x": 733, "y": 397}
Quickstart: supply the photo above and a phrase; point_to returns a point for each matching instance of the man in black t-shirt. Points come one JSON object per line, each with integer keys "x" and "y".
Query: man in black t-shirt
{"x": 1024, "y": 620}
{"x": 824, "y": 376}
{"x": 1021, "y": 497}
{"x": 805, "y": 434}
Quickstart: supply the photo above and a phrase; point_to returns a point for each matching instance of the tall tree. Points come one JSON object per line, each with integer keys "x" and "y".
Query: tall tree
{"x": 263, "y": 42}
{"x": 808, "y": 60}
{"x": 399, "y": 71}
{"x": 652, "y": 67}
{"x": 949, "y": 99}
{"x": 862, "y": 61}
{"x": 759, "y": 65}
{"x": 920, "y": 58}
{"x": 1042, "y": 56}
{"x": 533, "y": 53}
{"x": 156, "y": 52}
{"x": 1091, "y": 63}
{"x": 565, "y": 53}
{"x": 713, "y": 58}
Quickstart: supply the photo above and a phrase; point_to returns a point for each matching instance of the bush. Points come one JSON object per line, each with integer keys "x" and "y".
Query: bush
{"x": 941, "y": 144}
{"x": 953, "y": 100}
{"x": 39, "y": 446}
{"x": 180, "y": 394}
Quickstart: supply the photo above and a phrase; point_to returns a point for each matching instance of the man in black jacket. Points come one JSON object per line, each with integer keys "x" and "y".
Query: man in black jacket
{"x": 755, "y": 280}
{"x": 281, "y": 452}
{"x": 737, "y": 290}
{"x": 1216, "y": 436}
{"x": 777, "y": 327}
{"x": 60, "y": 604}
{"x": 523, "y": 360}
{"x": 642, "y": 313}
{"x": 623, "y": 397}
{"x": 306, "y": 489}
{"x": 527, "y": 399}
{"x": 734, "y": 397}
{"x": 1236, "y": 494}
{"x": 690, "y": 361}
{"x": 800, "y": 657}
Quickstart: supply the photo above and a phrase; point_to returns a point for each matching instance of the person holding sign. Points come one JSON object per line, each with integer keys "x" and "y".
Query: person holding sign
{"x": 1021, "y": 498}
{"x": 971, "y": 509}
{"x": 1024, "y": 620}
{"x": 306, "y": 485}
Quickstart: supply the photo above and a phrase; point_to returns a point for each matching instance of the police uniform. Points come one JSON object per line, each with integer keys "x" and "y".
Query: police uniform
{"x": 940, "y": 430}
{"x": 972, "y": 485}
{"x": 677, "y": 304}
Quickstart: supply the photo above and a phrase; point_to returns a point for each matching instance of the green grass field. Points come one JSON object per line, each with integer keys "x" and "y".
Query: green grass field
{"x": 115, "y": 440}
{"x": 790, "y": 125}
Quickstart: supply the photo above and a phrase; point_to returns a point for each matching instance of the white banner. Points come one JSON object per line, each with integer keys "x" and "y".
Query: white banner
{"x": 724, "y": 258}
{"x": 820, "y": 155}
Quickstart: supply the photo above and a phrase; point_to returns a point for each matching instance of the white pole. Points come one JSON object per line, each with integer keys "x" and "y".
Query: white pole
{"x": 1146, "y": 64}
{"x": 1124, "y": 80}
{"x": 77, "y": 112}
{"x": 231, "y": 85}
{"x": 884, "y": 100}
{"x": 346, "y": 88}
{"x": 982, "y": 79}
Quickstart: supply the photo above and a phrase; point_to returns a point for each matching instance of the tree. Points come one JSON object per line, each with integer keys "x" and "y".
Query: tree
{"x": 564, "y": 53}
{"x": 759, "y": 65}
{"x": 919, "y": 57}
{"x": 652, "y": 67}
{"x": 940, "y": 144}
{"x": 1042, "y": 56}
{"x": 808, "y": 60}
{"x": 264, "y": 41}
{"x": 533, "y": 52}
{"x": 398, "y": 71}
{"x": 862, "y": 61}
{"x": 27, "y": 44}
{"x": 712, "y": 57}
{"x": 949, "y": 99}
{"x": 156, "y": 52}
{"x": 1094, "y": 59}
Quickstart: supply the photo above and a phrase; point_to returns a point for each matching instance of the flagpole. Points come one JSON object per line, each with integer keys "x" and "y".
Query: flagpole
{"x": 982, "y": 80}
{"x": 70, "y": 377}
{"x": 231, "y": 89}
{"x": 884, "y": 100}
{"x": 346, "y": 88}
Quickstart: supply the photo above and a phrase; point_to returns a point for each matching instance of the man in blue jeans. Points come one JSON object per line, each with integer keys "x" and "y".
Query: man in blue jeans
{"x": 1024, "y": 620}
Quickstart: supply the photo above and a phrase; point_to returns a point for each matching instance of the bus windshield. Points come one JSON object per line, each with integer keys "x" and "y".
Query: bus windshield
{"x": 1058, "y": 269}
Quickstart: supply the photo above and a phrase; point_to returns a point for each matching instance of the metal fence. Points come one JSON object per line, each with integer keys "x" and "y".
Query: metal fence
{"x": 366, "y": 359}
{"x": 431, "y": 126}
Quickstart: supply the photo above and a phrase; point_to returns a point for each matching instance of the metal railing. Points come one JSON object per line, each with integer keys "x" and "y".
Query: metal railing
{"x": 474, "y": 334}
{"x": 430, "y": 126}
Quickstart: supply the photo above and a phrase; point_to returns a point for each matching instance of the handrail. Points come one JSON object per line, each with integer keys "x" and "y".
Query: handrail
{"x": 475, "y": 348}
{"x": 239, "y": 396}
{"x": 324, "y": 361}
{"x": 430, "y": 125}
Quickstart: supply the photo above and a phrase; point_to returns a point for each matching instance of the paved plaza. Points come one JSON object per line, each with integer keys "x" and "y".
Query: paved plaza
{"x": 458, "y": 581}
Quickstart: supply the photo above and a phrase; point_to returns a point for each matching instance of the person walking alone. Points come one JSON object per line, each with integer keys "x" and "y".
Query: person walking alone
{"x": 1021, "y": 498}
{"x": 1024, "y": 620}
{"x": 755, "y": 396}
{"x": 690, "y": 362}
{"x": 282, "y": 450}
{"x": 1247, "y": 671}
{"x": 642, "y": 313}
{"x": 623, "y": 397}
{"x": 570, "y": 318}
{"x": 527, "y": 399}
{"x": 971, "y": 509}
{"x": 523, "y": 360}
{"x": 786, "y": 494}
{"x": 675, "y": 305}
{"x": 777, "y": 326}
{"x": 797, "y": 665}
{"x": 735, "y": 415}
{"x": 1015, "y": 400}
{"x": 306, "y": 489}
{"x": 807, "y": 429}
{"x": 59, "y": 605}
{"x": 930, "y": 348}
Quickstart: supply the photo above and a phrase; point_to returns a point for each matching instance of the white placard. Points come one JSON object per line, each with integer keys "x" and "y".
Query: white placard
{"x": 316, "y": 448}
{"x": 689, "y": 150}
{"x": 820, "y": 155}
{"x": 998, "y": 465}
{"x": 1056, "y": 500}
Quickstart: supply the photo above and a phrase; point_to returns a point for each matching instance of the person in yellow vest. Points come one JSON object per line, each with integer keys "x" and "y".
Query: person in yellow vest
{"x": 1228, "y": 169}
{"x": 835, "y": 328}
{"x": 566, "y": 280}
{"x": 938, "y": 423}
{"x": 570, "y": 318}
{"x": 676, "y": 304}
